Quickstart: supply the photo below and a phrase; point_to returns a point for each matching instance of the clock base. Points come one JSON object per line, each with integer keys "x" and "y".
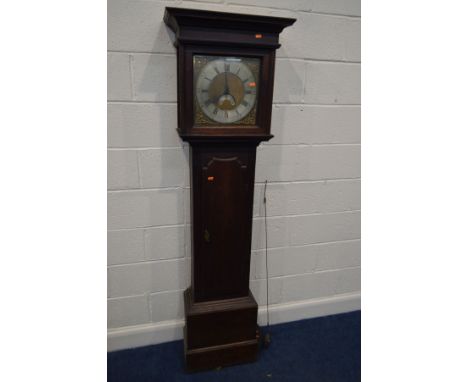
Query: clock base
{"x": 220, "y": 333}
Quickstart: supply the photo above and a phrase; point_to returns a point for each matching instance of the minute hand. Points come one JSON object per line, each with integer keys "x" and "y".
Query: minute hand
{"x": 226, "y": 84}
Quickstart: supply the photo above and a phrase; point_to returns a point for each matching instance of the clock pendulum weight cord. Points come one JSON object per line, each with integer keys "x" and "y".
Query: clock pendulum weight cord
{"x": 267, "y": 337}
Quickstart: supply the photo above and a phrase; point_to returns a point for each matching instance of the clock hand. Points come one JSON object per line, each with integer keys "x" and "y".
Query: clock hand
{"x": 214, "y": 99}
{"x": 226, "y": 86}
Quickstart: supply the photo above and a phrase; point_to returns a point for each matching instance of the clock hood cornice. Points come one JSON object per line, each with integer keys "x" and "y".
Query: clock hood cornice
{"x": 223, "y": 28}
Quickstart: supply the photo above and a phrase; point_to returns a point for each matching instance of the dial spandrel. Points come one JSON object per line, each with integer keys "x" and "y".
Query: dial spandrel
{"x": 225, "y": 90}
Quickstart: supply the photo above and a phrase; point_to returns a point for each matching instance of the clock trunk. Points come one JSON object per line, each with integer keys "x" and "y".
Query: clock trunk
{"x": 222, "y": 199}
{"x": 220, "y": 310}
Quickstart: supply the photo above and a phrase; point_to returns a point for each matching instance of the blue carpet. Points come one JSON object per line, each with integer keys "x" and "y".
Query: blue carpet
{"x": 324, "y": 349}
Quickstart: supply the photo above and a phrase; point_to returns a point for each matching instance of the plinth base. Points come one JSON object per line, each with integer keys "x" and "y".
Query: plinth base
{"x": 220, "y": 333}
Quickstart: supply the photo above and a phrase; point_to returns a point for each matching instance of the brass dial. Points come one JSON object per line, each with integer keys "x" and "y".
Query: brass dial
{"x": 226, "y": 90}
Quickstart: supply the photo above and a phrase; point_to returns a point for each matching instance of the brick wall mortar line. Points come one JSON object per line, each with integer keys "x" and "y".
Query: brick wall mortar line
{"x": 279, "y": 58}
{"x": 254, "y": 252}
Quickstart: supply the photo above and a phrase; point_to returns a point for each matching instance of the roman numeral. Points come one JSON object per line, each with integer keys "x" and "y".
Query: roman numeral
{"x": 204, "y": 90}
{"x": 216, "y": 70}
{"x": 226, "y": 115}
{"x": 208, "y": 102}
{"x": 227, "y": 67}
{"x": 245, "y": 103}
{"x": 209, "y": 79}
{"x": 244, "y": 81}
{"x": 215, "y": 111}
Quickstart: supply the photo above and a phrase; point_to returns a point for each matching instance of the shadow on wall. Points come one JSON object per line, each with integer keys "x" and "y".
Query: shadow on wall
{"x": 155, "y": 81}
{"x": 273, "y": 161}
{"x": 155, "y": 76}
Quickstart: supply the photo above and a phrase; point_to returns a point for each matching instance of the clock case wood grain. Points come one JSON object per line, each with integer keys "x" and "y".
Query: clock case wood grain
{"x": 220, "y": 311}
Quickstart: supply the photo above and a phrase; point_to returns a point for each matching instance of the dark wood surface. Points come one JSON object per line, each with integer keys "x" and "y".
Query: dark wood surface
{"x": 220, "y": 311}
{"x": 260, "y": 131}
{"x": 220, "y": 332}
{"x": 223, "y": 28}
{"x": 224, "y": 34}
{"x": 221, "y": 356}
{"x": 222, "y": 199}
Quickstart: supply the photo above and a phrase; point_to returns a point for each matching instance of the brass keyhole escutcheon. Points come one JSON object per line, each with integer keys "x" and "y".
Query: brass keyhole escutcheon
{"x": 206, "y": 235}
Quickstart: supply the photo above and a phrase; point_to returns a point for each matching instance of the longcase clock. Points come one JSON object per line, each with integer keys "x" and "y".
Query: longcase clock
{"x": 225, "y": 71}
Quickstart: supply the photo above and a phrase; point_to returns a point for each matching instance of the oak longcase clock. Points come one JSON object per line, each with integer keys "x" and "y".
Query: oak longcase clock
{"x": 225, "y": 72}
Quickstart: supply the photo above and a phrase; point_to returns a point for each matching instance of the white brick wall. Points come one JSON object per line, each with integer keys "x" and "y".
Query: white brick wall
{"x": 312, "y": 165}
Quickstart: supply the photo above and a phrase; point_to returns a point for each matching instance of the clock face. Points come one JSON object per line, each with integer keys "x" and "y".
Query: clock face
{"x": 225, "y": 90}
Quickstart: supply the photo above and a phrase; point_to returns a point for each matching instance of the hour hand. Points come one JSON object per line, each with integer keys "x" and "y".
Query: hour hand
{"x": 213, "y": 100}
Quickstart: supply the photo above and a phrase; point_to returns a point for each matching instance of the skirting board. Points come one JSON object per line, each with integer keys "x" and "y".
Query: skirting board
{"x": 166, "y": 331}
